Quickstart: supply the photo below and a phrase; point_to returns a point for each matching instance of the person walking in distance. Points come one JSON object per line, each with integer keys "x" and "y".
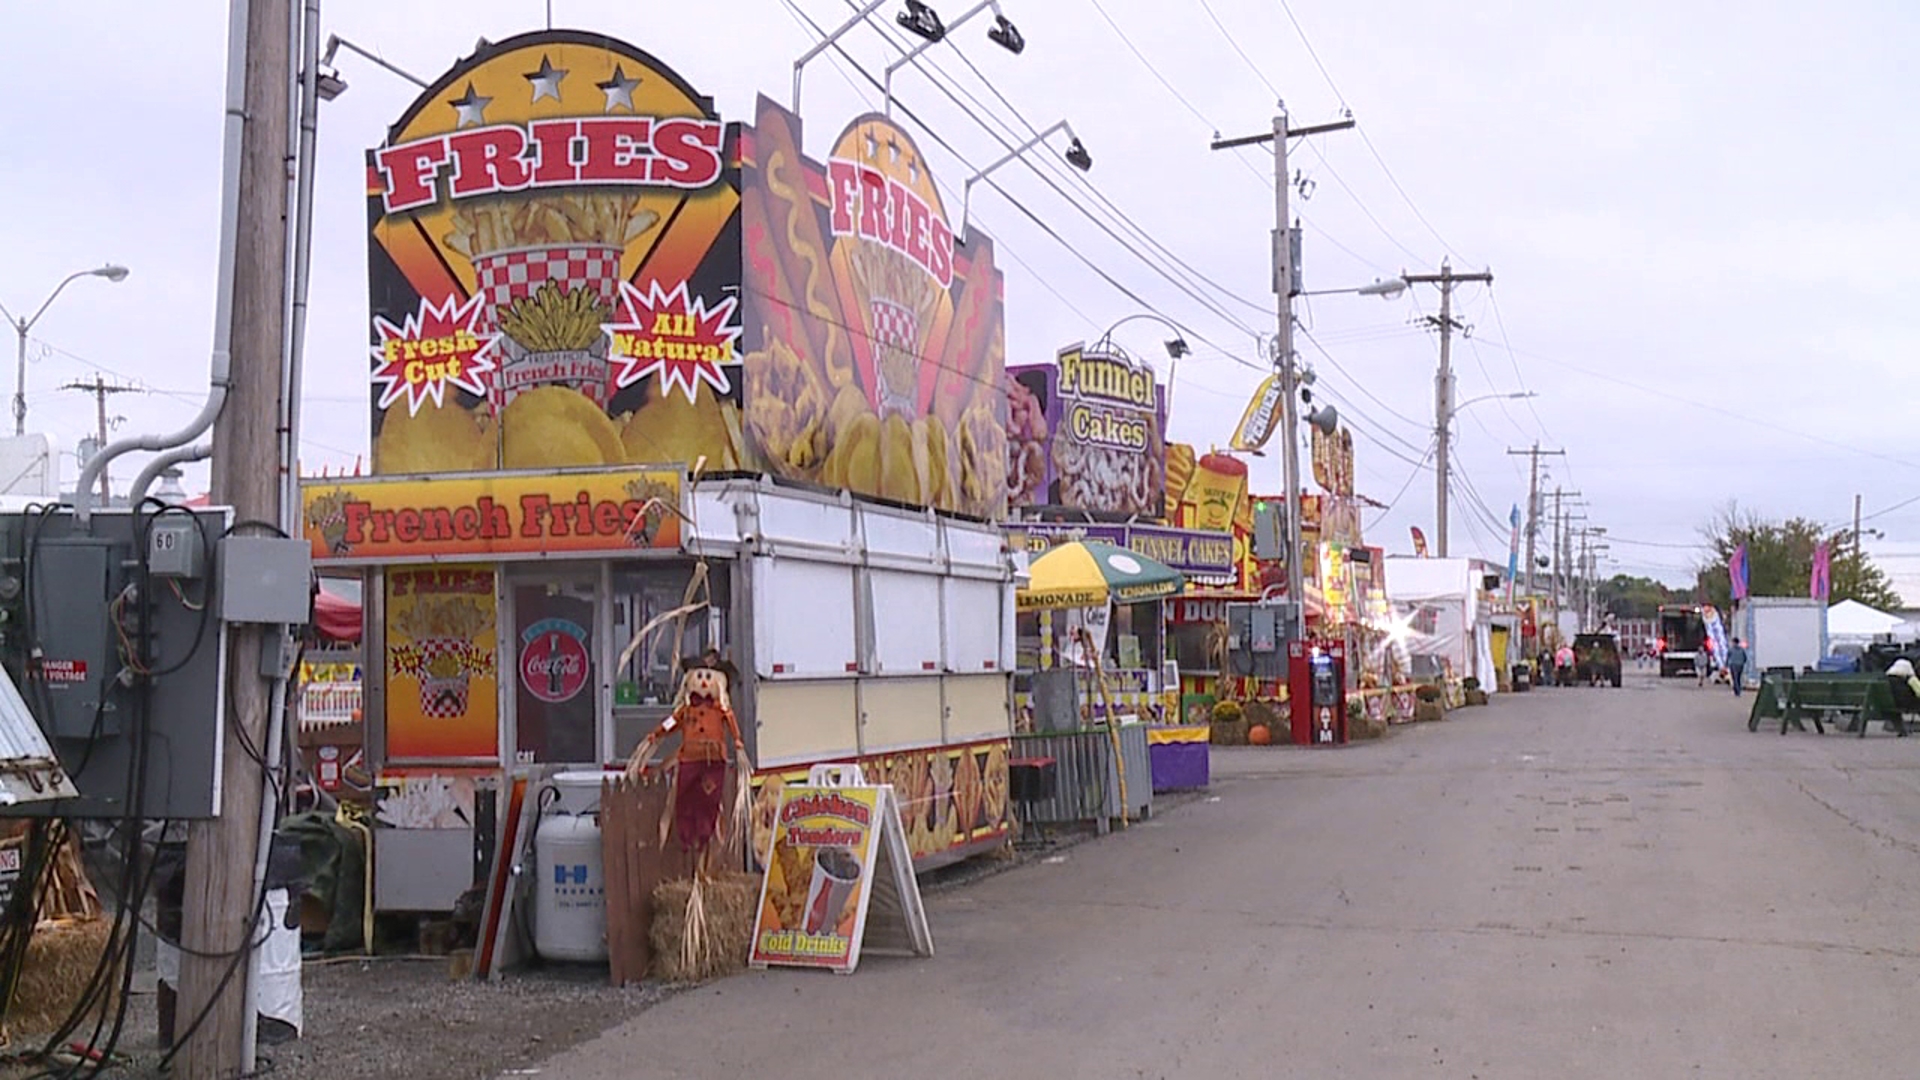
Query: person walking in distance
{"x": 1703, "y": 661}
{"x": 1737, "y": 664}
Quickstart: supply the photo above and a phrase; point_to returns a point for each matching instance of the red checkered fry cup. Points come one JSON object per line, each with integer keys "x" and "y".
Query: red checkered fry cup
{"x": 519, "y": 273}
{"x": 444, "y": 696}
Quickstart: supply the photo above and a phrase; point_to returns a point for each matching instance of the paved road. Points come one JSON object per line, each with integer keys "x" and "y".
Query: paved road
{"x": 1569, "y": 883}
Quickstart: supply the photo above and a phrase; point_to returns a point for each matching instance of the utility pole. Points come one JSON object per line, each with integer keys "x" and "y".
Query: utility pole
{"x": 1560, "y": 546}
{"x": 1533, "y": 501}
{"x": 1285, "y": 289}
{"x": 1443, "y": 385}
{"x": 1856, "y": 571}
{"x": 101, "y": 390}
{"x": 219, "y": 905}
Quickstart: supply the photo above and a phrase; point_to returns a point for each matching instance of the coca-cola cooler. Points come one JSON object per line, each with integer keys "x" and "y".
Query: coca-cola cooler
{"x": 1317, "y": 692}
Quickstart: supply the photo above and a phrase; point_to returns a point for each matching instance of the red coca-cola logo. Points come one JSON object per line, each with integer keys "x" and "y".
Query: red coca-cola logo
{"x": 553, "y": 660}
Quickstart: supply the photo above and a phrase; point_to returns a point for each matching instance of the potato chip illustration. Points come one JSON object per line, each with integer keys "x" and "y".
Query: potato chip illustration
{"x": 555, "y": 427}
{"x": 671, "y": 428}
{"x": 442, "y": 439}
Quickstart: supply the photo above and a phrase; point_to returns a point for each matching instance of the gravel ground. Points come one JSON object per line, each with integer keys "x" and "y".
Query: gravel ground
{"x": 372, "y": 1018}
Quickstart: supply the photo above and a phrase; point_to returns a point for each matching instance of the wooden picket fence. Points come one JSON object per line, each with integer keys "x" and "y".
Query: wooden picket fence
{"x": 636, "y": 864}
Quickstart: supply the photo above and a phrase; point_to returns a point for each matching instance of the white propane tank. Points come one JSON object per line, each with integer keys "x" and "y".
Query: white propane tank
{"x": 570, "y": 892}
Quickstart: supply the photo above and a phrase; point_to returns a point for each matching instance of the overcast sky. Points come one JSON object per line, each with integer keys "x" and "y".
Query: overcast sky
{"x": 1700, "y": 222}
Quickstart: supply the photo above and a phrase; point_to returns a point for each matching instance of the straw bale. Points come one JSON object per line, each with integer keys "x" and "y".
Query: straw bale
{"x": 727, "y": 901}
{"x": 61, "y": 957}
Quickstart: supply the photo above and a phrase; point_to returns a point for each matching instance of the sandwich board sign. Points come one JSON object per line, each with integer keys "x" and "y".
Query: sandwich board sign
{"x": 837, "y": 858}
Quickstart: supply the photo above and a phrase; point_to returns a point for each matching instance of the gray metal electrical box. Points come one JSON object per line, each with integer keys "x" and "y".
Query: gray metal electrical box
{"x": 68, "y": 594}
{"x": 174, "y": 548}
{"x": 266, "y": 579}
{"x": 157, "y": 754}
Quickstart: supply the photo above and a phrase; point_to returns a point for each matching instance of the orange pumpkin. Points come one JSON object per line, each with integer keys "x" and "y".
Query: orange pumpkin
{"x": 1258, "y": 735}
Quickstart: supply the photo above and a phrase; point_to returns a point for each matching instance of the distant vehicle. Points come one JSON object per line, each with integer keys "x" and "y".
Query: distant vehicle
{"x": 1596, "y": 659}
{"x": 1682, "y": 631}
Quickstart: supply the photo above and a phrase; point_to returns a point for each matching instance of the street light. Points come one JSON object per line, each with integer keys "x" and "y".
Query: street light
{"x": 1075, "y": 154}
{"x": 113, "y": 272}
{"x": 925, "y": 23}
{"x": 1176, "y": 346}
{"x": 1385, "y": 288}
{"x": 330, "y": 85}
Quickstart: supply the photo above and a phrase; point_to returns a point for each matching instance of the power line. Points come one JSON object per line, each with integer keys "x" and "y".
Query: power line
{"x": 1045, "y": 227}
{"x": 930, "y": 69}
{"x": 1365, "y": 140}
{"x": 1075, "y": 175}
{"x": 1251, "y": 66}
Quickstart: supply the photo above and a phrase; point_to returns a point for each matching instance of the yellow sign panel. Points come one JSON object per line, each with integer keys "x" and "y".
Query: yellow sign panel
{"x": 364, "y": 519}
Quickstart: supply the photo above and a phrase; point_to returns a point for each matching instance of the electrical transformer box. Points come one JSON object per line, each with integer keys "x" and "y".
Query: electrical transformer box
{"x": 112, "y": 633}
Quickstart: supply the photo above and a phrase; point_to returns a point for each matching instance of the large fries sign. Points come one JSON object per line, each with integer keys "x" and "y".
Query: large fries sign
{"x": 874, "y": 342}
{"x": 555, "y": 266}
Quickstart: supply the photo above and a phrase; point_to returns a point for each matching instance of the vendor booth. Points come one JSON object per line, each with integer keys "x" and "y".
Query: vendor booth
{"x": 582, "y": 301}
{"x": 1452, "y": 632}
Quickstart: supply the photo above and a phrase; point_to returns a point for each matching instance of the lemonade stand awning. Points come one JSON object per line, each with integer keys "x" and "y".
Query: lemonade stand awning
{"x": 1086, "y": 573}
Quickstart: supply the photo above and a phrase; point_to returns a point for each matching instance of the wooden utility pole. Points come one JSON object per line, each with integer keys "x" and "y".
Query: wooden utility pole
{"x": 1285, "y": 288}
{"x": 1443, "y": 386}
{"x": 1533, "y": 502}
{"x": 219, "y": 903}
{"x": 101, "y": 390}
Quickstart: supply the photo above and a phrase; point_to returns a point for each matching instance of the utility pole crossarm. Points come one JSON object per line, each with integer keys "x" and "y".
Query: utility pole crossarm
{"x": 1285, "y": 288}
{"x": 1292, "y": 132}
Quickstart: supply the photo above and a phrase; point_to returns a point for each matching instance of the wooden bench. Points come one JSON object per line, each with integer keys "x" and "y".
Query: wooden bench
{"x": 1859, "y": 698}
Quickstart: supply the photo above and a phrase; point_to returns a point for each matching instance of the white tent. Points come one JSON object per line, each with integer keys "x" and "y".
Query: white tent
{"x": 1852, "y": 622}
{"x": 1452, "y": 590}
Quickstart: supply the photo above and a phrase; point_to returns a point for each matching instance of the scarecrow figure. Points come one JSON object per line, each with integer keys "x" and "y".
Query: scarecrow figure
{"x": 710, "y": 741}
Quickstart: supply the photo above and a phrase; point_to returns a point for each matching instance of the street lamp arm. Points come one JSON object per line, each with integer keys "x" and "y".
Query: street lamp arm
{"x": 1076, "y": 154}
{"x": 886, "y": 90}
{"x": 27, "y": 324}
{"x": 1489, "y": 397}
{"x": 859, "y": 16}
{"x": 1178, "y": 330}
{"x": 335, "y": 43}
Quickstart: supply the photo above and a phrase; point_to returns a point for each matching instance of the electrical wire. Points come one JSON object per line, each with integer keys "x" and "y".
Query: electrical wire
{"x": 1043, "y": 225}
{"x": 1314, "y": 54}
{"x": 1196, "y": 277}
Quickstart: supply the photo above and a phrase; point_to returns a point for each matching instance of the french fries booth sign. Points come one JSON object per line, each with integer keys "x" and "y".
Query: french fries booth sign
{"x": 554, "y": 266}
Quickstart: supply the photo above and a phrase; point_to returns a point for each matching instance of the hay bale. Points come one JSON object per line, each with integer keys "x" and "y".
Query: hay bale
{"x": 61, "y": 957}
{"x": 728, "y": 901}
{"x": 1476, "y": 696}
{"x": 1229, "y": 732}
{"x": 1365, "y": 727}
{"x": 1428, "y": 710}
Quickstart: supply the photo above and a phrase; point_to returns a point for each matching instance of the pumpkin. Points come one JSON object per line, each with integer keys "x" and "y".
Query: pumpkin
{"x": 1258, "y": 735}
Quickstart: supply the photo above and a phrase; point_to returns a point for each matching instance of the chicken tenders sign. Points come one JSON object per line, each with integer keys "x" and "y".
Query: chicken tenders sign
{"x": 555, "y": 266}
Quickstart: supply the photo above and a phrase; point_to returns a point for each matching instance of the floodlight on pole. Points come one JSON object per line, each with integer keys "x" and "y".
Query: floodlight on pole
{"x": 113, "y": 272}
{"x": 332, "y": 85}
{"x": 859, "y": 16}
{"x": 1076, "y": 155}
{"x": 1003, "y": 33}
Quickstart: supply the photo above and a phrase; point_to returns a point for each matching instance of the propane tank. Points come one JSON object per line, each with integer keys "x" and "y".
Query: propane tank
{"x": 570, "y": 897}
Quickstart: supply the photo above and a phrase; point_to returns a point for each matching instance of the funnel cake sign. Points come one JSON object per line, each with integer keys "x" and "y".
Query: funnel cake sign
{"x": 554, "y": 266}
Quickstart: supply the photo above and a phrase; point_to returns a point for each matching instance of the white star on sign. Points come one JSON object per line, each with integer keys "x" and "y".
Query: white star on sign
{"x": 546, "y": 81}
{"x": 471, "y": 107}
{"x": 619, "y": 89}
